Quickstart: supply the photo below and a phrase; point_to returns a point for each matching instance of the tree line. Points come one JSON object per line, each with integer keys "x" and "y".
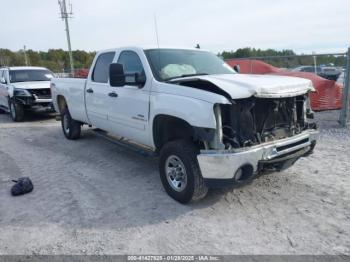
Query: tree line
{"x": 57, "y": 60}
{"x": 284, "y": 58}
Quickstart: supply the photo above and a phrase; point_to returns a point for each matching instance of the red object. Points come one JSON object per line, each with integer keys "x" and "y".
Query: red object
{"x": 81, "y": 73}
{"x": 328, "y": 93}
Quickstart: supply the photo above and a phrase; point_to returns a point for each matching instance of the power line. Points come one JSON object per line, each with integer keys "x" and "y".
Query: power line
{"x": 65, "y": 15}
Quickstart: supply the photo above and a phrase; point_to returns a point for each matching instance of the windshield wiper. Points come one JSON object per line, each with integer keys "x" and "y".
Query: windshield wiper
{"x": 185, "y": 75}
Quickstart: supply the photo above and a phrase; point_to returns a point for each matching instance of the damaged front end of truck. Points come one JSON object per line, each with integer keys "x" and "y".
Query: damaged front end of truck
{"x": 266, "y": 131}
{"x": 253, "y": 121}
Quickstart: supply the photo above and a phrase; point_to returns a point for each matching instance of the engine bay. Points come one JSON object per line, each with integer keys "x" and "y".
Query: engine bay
{"x": 252, "y": 121}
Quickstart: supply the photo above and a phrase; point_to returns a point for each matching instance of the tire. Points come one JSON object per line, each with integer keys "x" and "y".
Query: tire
{"x": 16, "y": 111}
{"x": 71, "y": 128}
{"x": 184, "y": 186}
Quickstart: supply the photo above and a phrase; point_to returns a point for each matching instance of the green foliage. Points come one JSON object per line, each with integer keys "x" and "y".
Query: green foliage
{"x": 56, "y": 60}
{"x": 252, "y": 52}
{"x": 281, "y": 59}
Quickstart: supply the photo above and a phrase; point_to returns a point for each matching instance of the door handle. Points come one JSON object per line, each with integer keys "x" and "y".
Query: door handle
{"x": 113, "y": 94}
{"x": 90, "y": 90}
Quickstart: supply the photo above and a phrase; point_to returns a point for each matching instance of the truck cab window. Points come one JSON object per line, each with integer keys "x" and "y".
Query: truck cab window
{"x": 132, "y": 64}
{"x": 100, "y": 73}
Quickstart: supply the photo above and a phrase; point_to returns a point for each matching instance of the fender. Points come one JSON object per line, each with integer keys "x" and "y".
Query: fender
{"x": 192, "y": 105}
{"x": 196, "y": 112}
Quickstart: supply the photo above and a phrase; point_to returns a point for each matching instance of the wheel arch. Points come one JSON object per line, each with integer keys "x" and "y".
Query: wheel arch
{"x": 61, "y": 103}
{"x": 168, "y": 128}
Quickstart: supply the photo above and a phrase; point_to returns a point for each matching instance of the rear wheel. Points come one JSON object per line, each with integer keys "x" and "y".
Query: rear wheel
{"x": 180, "y": 173}
{"x": 71, "y": 128}
{"x": 16, "y": 111}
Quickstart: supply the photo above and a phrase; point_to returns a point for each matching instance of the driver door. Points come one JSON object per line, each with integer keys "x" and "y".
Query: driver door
{"x": 128, "y": 109}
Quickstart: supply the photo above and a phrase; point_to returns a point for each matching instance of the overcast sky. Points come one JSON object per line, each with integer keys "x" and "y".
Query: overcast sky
{"x": 302, "y": 25}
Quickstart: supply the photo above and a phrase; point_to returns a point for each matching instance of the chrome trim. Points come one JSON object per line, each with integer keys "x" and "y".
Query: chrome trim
{"x": 217, "y": 142}
{"x": 38, "y": 100}
{"x": 223, "y": 164}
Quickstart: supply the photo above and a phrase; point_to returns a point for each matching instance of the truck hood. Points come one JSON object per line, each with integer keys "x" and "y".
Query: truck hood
{"x": 264, "y": 86}
{"x": 32, "y": 85}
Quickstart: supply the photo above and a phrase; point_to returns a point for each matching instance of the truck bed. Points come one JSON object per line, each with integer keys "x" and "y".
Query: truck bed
{"x": 73, "y": 90}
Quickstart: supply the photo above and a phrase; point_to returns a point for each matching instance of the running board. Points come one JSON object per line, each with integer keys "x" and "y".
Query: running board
{"x": 123, "y": 142}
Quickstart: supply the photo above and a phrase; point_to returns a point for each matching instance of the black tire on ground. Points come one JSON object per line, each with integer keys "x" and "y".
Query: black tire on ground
{"x": 183, "y": 152}
{"x": 71, "y": 128}
{"x": 16, "y": 111}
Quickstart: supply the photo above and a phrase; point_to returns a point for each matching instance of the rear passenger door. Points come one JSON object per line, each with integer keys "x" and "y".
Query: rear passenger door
{"x": 97, "y": 90}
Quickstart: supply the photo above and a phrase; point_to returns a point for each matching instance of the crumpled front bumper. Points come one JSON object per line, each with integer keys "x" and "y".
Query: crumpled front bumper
{"x": 31, "y": 100}
{"x": 36, "y": 104}
{"x": 223, "y": 164}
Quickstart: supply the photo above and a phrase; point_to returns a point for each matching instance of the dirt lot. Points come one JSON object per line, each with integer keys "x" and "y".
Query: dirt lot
{"x": 93, "y": 197}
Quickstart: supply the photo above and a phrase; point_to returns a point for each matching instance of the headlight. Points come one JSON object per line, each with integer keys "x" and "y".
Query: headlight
{"x": 21, "y": 92}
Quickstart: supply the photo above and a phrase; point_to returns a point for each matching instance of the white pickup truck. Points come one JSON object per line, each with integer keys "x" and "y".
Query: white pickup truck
{"x": 210, "y": 125}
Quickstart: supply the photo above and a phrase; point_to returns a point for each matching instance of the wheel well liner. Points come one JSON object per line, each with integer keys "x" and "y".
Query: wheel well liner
{"x": 61, "y": 102}
{"x": 168, "y": 128}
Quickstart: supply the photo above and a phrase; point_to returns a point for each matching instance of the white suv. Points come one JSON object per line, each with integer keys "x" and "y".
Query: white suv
{"x": 25, "y": 88}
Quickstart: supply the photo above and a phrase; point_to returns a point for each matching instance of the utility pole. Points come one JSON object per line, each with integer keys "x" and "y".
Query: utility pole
{"x": 25, "y": 56}
{"x": 65, "y": 16}
{"x": 315, "y": 63}
{"x": 343, "y": 119}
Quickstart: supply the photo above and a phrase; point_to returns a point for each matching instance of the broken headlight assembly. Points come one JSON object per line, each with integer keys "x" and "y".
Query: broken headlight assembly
{"x": 21, "y": 92}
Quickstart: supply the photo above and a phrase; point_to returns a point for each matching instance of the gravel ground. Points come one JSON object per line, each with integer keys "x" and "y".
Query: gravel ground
{"x": 93, "y": 197}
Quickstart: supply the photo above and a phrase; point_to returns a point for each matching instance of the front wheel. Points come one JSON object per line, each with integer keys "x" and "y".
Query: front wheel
{"x": 71, "y": 128}
{"x": 180, "y": 173}
{"x": 16, "y": 111}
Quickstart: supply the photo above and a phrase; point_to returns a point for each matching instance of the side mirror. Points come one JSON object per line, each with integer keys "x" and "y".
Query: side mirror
{"x": 135, "y": 79}
{"x": 140, "y": 79}
{"x": 116, "y": 75}
{"x": 3, "y": 80}
{"x": 237, "y": 68}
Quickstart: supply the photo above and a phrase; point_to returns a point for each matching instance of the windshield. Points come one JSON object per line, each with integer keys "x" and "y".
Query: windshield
{"x": 169, "y": 64}
{"x": 27, "y": 75}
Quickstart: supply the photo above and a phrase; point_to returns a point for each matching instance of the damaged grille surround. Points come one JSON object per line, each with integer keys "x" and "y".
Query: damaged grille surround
{"x": 252, "y": 121}
{"x": 44, "y": 93}
{"x": 35, "y": 96}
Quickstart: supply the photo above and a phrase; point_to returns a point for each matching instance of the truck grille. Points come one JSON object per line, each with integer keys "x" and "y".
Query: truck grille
{"x": 41, "y": 93}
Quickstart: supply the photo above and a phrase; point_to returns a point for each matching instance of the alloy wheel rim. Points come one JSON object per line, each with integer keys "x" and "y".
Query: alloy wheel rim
{"x": 13, "y": 110}
{"x": 65, "y": 124}
{"x": 176, "y": 173}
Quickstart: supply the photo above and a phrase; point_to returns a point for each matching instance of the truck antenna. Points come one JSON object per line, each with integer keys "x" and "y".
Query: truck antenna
{"x": 156, "y": 29}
